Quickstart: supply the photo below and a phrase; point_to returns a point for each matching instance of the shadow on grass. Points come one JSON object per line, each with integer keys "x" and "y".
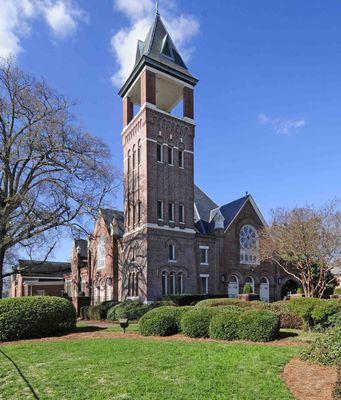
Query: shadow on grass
{"x": 21, "y": 374}
{"x": 88, "y": 328}
{"x": 285, "y": 334}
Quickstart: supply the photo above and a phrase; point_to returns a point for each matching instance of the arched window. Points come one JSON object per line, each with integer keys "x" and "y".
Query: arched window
{"x": 164, "y": 278}
{"x": 136, "y": 287}
{"x": 134, "y": 157}
{"x": 139, "y": 152}
{"x": 108, "y": 291}
{"x": 250, "y": 281}
{"x": 249, "y": 245}
{"x": 180, "y": 283}
{"x": 102, "y": 292}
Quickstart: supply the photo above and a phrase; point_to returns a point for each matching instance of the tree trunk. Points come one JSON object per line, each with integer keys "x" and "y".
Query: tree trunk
{"x": 2, "y": 259}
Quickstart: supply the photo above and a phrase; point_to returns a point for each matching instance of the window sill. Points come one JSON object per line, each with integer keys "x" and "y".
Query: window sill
{"x": 204, "y": 264}
{"x": 172, "y": 261}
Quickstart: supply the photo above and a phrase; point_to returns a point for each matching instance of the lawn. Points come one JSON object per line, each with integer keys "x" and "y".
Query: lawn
{"x": 141, "y": 369}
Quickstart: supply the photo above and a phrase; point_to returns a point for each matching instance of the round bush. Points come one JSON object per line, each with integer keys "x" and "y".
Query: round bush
{"x": 162, "y": 321}
{"x": 325, "y": 350}
{"x": 195, "y": 323}
{"x": 303, "y": 307}
{"x": 231, "y": 302}
{"x": 32, "y": 317}
{"x": 85, "y": 312}
{"x": 258, "y": 325}
{"x": 225, "y": 324}
{"x": 97, "y": 313}
{"x": 322, "y": 311}
{"x": 133, "y": 310}
{"x": 288, "y": 318}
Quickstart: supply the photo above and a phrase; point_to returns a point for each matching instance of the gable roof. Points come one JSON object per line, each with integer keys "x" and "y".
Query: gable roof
{"x": 109, "y": 215}
{"x": 202, "y": 209}
{"x": 43, "y": 268}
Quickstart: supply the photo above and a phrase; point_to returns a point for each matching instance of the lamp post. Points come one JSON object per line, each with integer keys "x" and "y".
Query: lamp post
{"x": 124, "y": 324}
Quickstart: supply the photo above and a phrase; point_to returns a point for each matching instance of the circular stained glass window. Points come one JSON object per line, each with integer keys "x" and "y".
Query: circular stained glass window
{"x": 248, "y": 237}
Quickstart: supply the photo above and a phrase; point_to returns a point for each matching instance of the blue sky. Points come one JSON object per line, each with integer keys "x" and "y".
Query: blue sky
{"x": 267, "y": 105}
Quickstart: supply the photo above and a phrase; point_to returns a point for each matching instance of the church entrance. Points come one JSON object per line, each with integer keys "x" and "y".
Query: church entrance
{"x": 264, "y": 290}
{"x": 233, "y": 287}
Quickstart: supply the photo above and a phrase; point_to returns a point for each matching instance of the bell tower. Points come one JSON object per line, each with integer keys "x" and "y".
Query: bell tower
{"x": 158, "y": 148}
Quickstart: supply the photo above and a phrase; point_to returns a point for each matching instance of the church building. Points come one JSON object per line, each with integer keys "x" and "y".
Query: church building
{"x": 171, "y": 237}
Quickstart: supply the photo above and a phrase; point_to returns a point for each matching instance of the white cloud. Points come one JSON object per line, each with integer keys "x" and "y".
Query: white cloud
{"x": 16, "y": 17}
{"x": 182, "y": 28}
{"x": 281, "y": 126}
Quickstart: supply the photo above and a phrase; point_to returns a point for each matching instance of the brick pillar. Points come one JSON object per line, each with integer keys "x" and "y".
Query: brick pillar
{"x": 128, "y": 111}
{"x": 188, "y": 109}
{"x": 148, "y": 87}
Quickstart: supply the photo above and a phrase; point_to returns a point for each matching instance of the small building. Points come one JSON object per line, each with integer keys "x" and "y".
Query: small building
{"x": 39, "y": 278}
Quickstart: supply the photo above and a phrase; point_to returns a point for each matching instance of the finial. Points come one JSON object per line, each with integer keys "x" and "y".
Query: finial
{"x": 157, "y": 8}
{"x": 247, "y": 193}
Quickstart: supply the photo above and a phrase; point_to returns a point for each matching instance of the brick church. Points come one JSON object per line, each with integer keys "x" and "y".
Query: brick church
{"x": 171, "y": 237}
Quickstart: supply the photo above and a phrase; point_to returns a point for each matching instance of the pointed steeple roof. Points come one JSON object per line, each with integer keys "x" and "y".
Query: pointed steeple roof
{"x": 158, "y": 51}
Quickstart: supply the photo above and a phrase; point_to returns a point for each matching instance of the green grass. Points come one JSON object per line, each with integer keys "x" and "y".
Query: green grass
{"x": 142, "y": 369}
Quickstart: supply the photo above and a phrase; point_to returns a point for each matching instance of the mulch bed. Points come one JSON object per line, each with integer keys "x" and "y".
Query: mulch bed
{"x": 132, "y": 335}
{"x": 309, "y": 381}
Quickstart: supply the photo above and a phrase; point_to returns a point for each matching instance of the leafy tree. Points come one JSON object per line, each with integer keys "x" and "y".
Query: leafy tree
{"x": 305, "y": 243}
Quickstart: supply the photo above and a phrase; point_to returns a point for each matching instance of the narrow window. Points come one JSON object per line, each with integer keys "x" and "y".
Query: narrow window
{"x": 134, "y": 157}
{"x": 181, "y": 159}
{"x": 180, "y": 283}
{"x": 136, "y": 288}
{"x": 170, "y": 156}
{"x": 181, "y": 214}
{"x": 139, "y": 152}
{"x": 134, "y": 215}
{"x": 159, "y": 153}
{"x": 172, "y": 283}
{"x": 171, "y": 212}
{"x": 204, "y": 284}
{"x": 171, "y": 253}
{"x": 129, "y": 156}
{"x": 164, "y": 283}
{"x": 160, "y": 210}
{"x": 203, "y": 255}
{"x": 139, "y": 211}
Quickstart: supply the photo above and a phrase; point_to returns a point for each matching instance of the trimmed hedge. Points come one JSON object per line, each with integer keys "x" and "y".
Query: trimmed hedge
{"x": 196, "y": 322}
{"x": 288, "y": 318}
{"x": 225, "y": 324}
{"x": 314, "y": 312}
{"x": 325, "y": 350}
{"x": 162, "y": 321}
{"x": 133, "y": 310}
{"x": 258, "y": 325}
{"x": 191, "y": 299}
{"x": 97, "y": 313}
{"x": 34, "y": 317}
{"x": 84, "y": 312}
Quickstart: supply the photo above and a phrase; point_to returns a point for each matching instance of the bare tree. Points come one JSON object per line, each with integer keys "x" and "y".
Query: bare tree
{"x": 306, "y": 243}
{"x": 52, "y": 172}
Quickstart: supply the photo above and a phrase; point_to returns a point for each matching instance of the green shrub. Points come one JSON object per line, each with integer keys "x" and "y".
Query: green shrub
{"x": 288, "y": 318}
{"x": 326, "y": 349}
{"x": 97, "y": 313}
{"x": 162, "y": 321}
{"x": 191, "y": 299}
{"x": 336, "y": 394}
{"x": 334, "y": 320}
{"x": 258, "y": 325}
{"x": 133, "y": 310}
{"x": 31, "y": 317}
{"x": 337, "y": 291}
{"x": 225, "y": 324}
{"x": 195, "y": 323}
{"x": 247, "y": 289}
{"x": 225, "y": 302}
{"x": 85, "y": 312}
{"x": 323, "y": 311}
{"x": 303, "y": 307}
{"x": 299, "y": 291}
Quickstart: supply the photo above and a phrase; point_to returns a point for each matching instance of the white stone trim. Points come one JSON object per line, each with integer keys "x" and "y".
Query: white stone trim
{"x": 156, "y": 226}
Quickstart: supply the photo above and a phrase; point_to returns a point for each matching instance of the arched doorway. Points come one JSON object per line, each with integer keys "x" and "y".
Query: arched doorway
{"x": 233, "y": 287}
{"x": 289, "y": 287}
{"x": 264, "y": 289}
{"x": 250, "y": 281}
